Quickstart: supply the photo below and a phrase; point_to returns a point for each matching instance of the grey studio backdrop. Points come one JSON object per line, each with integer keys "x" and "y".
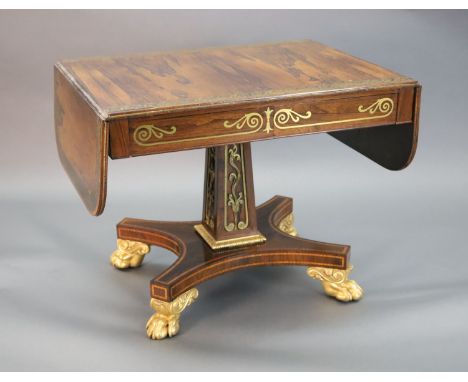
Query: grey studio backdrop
{"x": 63, "y": 307}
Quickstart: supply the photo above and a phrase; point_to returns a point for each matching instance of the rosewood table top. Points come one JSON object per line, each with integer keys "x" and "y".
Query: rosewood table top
{"x": 159, "y": 102}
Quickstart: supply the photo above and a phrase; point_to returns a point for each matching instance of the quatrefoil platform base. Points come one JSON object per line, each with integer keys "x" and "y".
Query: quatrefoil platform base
{"x": 233, "y": 234}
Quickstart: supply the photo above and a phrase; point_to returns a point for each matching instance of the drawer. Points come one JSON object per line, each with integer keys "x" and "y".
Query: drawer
{"x": 142, "y": 136}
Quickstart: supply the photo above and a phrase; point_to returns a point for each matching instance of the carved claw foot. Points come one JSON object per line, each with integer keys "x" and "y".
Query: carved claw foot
{"x": 129, "y": 254}
{"x": 287, "y": 225}
{"x": 165, "y": 322}
{"x": 335, "y": 283}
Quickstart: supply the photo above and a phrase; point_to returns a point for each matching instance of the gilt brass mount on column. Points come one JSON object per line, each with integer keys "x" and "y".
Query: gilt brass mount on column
{"x": 229, "y": 214}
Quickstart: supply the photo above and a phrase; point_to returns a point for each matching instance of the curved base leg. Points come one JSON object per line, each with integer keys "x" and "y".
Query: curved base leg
{"x": 129, "y": 254}
{"x": 165, "y": 322}
{"x": 336, "y": 284}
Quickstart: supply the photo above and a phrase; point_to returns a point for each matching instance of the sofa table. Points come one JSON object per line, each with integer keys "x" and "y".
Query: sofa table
{"x": 221, "y": 99}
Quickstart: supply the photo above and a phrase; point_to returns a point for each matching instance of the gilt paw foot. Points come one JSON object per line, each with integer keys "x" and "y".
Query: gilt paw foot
{"x": 165, "y": 322}
{"x": 129, "y": 254}
{"x": 336, "y": 284}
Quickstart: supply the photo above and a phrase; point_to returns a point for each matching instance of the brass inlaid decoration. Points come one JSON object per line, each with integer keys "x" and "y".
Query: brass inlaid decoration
{"x": 210, "y": 187}
{"x": 283, "y": 116}
{"x": 129, "y": 254}
{"x": 286, "y": 225}
{"x": 284, "y": 119}
{"x": 336, "y": 284}
{"x": 165, "y": 322}
{"x": 235, "y": 199}
{"x": 266, "y": 121}
{"x": 144, "y": 133}
{"x": 251, "y": 120}
{"x": 382, "y": 105}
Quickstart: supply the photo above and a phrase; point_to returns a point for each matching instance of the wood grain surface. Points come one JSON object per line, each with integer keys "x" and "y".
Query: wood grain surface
{"x": 82, "y": 143}
{"x": 182, "y": 80}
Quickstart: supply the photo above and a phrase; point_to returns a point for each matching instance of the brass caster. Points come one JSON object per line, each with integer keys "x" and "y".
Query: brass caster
{"x": 287, "y": 225}
{"x": 129, "y": 254}
{"x": 165, "y": 322}
{"x": 336, "y": 284}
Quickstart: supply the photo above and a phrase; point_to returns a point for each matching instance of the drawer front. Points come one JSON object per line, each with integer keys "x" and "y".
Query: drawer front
{"x": 141, "y": 136}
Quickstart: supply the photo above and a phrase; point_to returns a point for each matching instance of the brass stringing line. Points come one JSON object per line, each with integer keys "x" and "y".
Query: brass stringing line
{"x": 144, "y": 132}
{"x": 380, "y": 105}
{"x": 196, "y": 138}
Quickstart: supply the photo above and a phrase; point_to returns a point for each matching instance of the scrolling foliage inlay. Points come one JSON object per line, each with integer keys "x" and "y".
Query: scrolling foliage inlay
{"x": 266, "y": 121}
{"x": 145, "y": 133}
{"x": 284, "y": 119}
{"x": 235, "y": 195}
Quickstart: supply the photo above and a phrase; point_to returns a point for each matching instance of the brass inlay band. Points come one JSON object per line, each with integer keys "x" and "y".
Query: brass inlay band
{"x": 235, "y": 200}
{"x": 254, "y": 122}
{"x": 227, "y": 243}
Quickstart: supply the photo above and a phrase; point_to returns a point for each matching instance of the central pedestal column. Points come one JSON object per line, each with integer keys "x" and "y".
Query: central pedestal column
{"x": 229, "y": 214}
